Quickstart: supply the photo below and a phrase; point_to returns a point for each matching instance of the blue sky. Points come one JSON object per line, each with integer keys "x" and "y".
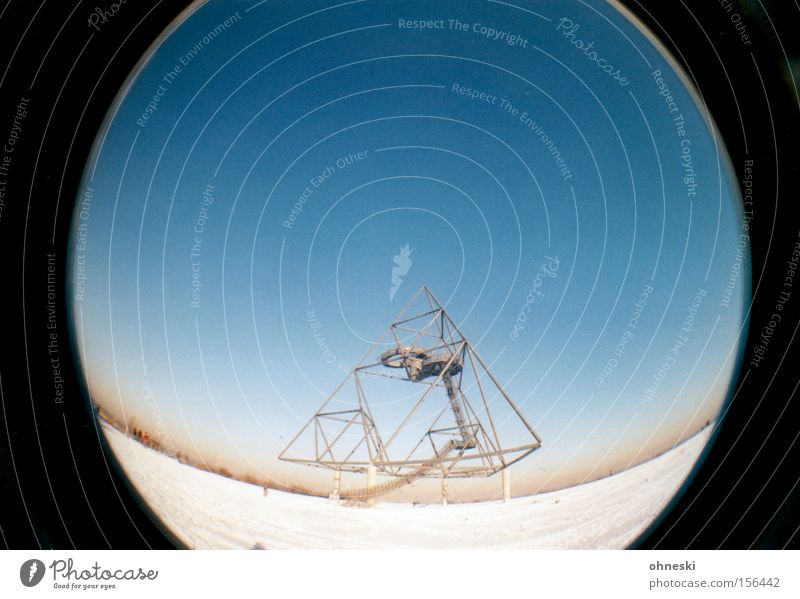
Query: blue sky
{"x": 369, "y": 120}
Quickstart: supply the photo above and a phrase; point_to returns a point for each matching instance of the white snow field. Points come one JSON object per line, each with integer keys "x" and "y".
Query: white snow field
{"x": 208, "y": 511}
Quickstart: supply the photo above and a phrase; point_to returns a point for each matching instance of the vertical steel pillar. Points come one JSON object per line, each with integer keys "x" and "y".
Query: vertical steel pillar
{"x": 506, "y": 484}
{"x": 337, "y": 482}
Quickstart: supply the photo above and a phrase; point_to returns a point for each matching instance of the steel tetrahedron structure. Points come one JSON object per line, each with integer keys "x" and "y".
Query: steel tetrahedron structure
{"x": 441, "y": 404}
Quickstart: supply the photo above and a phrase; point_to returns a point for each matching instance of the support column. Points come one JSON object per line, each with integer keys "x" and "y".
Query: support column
{"x": 337, "y": 482}
{"x": 444, "y": 491}
{"x": 371, "y": 474}
{"x": 506, "y": 484}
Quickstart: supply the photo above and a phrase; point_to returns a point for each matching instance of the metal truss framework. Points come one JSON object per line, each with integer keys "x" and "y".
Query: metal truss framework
{"x": 429, "y": 350}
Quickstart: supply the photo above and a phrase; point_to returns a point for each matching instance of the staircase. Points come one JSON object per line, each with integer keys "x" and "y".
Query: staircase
{"x": 358, "y": 497}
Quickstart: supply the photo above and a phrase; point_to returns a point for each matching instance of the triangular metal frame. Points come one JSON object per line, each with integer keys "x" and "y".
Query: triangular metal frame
{"x": 427, "y": 349}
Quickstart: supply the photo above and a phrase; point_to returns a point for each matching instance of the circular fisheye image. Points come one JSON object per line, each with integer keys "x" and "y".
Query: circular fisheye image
{"x": 408, "y": 275}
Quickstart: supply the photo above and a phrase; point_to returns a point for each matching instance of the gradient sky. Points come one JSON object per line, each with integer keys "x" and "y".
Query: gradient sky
{"x": 273, "y": 100}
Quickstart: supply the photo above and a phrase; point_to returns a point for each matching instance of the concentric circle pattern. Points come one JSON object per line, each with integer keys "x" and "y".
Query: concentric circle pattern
{"x": 276, "y": 181}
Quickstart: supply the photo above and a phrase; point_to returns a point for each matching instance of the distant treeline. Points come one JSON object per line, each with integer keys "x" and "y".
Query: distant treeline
{"x": 139, "y": 434}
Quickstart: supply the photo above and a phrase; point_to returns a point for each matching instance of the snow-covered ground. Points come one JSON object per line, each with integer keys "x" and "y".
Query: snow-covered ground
{"x": 205, "y": 510}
